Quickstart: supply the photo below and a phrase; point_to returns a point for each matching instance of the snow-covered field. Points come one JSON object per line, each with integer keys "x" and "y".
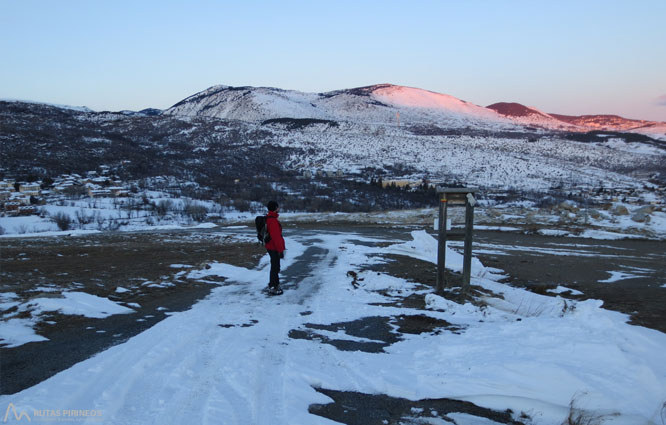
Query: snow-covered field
{"x": 101, "y": 214}
{"x": 479, "y": 161}
{"x": 232, "y": 358}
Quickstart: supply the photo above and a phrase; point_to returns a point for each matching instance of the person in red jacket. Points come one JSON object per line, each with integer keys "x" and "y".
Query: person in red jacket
{"x": 275, "y": 247}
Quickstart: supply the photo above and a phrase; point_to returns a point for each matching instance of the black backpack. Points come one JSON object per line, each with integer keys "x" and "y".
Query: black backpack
{"x": 262, "y": 230}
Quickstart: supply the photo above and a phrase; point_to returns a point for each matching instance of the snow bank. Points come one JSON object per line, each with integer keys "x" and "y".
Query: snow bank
{"x": 76, "y": 303}
{"x": 563, "y": 289}
{"x": 18, "y": 331}
{"x": 424, "y": 247}
{"x": 15, "y": 332}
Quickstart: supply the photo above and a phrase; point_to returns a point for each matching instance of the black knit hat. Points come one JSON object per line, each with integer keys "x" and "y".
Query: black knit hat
{"x": 272, "y": 206}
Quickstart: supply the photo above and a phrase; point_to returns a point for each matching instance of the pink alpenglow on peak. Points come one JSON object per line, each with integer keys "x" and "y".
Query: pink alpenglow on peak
{"x": 401, "y": 96}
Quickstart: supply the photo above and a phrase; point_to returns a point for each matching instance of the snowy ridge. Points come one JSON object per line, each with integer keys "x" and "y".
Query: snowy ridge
{"x": 408, "y": 97}
{"x": 604, "y": 122}
{"x": 532, "y": 116}
{"x": 654, "y": 130}
{"x": 247, "y": 104}
{"x": 373, "y": 104}
{"x": 392, "y": 104}
{"x": 68, "y": 107}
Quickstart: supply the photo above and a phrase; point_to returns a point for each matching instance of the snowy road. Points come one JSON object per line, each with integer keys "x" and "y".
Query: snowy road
{"x": 226, "y": 360}
{"x": 234, "y": 357}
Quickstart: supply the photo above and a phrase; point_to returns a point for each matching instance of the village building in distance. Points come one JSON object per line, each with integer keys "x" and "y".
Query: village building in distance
{"x": 23, "y": 198}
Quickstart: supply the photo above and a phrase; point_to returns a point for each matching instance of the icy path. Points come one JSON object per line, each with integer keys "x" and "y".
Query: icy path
{"x": 229, "y": 359}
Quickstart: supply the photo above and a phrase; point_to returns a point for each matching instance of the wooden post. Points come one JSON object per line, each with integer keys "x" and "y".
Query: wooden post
{"x": 469, "y": 225}
{"x": 455, "y": 196}
{"x": 441, "y": 245}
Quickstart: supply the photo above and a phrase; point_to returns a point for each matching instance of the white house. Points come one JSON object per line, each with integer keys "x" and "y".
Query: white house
{"x": 30, "y": 189}
{"x": 94, "y": 193}
{"x": 7, "y": 185}
{"x": 118, "y": 191}
{"x": 21, "y": 198}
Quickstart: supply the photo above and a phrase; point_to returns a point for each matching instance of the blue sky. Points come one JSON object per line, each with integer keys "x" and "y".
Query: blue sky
{"x": 570, "y": 57}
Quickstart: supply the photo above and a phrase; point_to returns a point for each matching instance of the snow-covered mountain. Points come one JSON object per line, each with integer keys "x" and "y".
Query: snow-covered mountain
{"x": 604, "y": 122}
{"x": 393, "y": 105}
{"x": 395, "y": 127}
{"x": 615, "y": 123}
{"x": 397, "y": 132}
{"x": 532, "y": 116}
{"x": 33, "y": 102}
{"x": 379, "y": 104}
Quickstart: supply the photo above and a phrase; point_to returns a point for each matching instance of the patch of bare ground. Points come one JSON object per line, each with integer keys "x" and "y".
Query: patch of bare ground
{"x": 354, "y": 408}
{"x": 378, "y": 332}
{"x": 585, "y": 265}
{"x": 151, "y": 268}
{"x": 582, "y": 269}
{"x": 424, "y": 274}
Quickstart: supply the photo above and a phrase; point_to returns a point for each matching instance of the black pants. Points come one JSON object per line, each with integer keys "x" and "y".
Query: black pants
{"x": 275, "y": 268}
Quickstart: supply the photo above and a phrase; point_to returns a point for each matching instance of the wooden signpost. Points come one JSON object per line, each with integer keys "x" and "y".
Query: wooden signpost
{"x": 455, "y": 196}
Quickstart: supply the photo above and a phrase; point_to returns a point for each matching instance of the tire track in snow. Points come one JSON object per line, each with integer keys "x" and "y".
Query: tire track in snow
{"x": 300, "y": 285}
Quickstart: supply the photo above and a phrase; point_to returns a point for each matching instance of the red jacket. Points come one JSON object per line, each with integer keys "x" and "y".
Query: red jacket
{"x": 275, "y": 230}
